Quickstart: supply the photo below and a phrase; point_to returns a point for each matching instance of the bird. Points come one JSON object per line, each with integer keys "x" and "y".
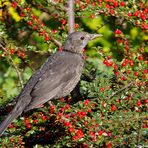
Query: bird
{"x": 56, "y": 78}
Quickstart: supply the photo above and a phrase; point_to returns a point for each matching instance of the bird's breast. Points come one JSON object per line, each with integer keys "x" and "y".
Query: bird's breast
{"x": 73, "y": 80}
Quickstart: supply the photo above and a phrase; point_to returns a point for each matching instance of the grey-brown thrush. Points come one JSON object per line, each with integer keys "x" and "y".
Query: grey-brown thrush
{"x": 56, "y": 78}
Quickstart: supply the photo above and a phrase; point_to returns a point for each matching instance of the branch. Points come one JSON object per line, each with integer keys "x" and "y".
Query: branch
{"x": 15, "y": 67}
{"x": 130, "y": 84}
{"x": 59, "y": 44}
{"x": 28, "y": 64}
{"x": 70, "y": 12}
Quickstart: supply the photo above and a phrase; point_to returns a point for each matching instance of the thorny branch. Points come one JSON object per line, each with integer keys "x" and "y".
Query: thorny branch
{"x": 59, "y": 44}
{"x": 129, "y": 85}
{"x": 14, "y": 65}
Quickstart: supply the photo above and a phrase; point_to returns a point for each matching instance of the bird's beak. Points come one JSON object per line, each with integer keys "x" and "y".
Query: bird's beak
{"x": 93, "y": 36}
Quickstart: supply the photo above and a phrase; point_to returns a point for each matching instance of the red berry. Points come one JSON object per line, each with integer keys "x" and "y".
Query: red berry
{"x": 146, "y": 101}
{"x": 136, "y": 13}
{"x": 109, "y": 145}
{"x": 119, "y": 40}
{"x": 101, "y": 89}
{"x": 111, "y": 11}
{"x": 109, "y": 64}
{"x": 93, "y": 4}
{"x": 105, "y": 61}
{"x": 144, "y": 125}
{"x": 79, "y": 134}
{"x": 144, "y": 76}
{"x": 92, "y": 16}
{"x": 42, "y": 32}
{"x": 12, "y": 51}
{"x": 82, "y": 7}
{"x": 34, "y": 17}
{"x": 35, "y": 28}
{"x": 131, "y": 63}
{"x": 11, "y": 126}
{"x": 43, "y": 118}
{"x": 122, "y": 4}
{"x": 86, "y": 102}
{"x": 136, "y": 73}
{"x": 143, "y": 16}
{"x": 28, "y": 125}
{"x": 22, "y": 15}
{"x": 46, "y": 38}
{"x": 22, "y": 54}
{"x": 100, "y": 132}
{"x": 54, "y": 31}
{"x": 123, "y": 78}
{"x": 71, "y": 129}
{"x": 115, "y": 67}
{"x": 138, "y": 103}
{"x": 83, "y": 113}
{"x": 51, "y": 109}
{"x": 63, "y": 22}
{"x": 113, "y": 107}
{"x": 117, "y": 31}
{"x": 14, "y": 4}
{"x": 145, "y": 71}
{"x": 124, "y": 63}
{"x": 11, "y": 139}
{"x": 67, "y": 123}
{"x": 87, "y": 1}
{"x": 107, "y": 6}
{"x": 115, "y": 4}
{"x": 127, "y": 47}
{"x": 76, "y": 25}
{"x": 35, "y": 121}
{"x": 67, "y": 106}
{"x": 28, "y": 9}
{"x": 109, "y": 57}
{"x": 62, "y": 99}
{"x": 85, "y": 122}
{"x": 89, "y": 110}
{"x": 140, "y": 58}
{"x": 126, "y": 60}
{"x": 30, "y": 23}
{"x": 42, "y": 24}
{"x": 126, "y": 42}
{"x": 129, "y": 14}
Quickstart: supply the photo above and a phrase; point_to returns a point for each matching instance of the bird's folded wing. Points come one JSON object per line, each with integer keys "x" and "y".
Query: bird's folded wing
{"x": 51, "y": 82}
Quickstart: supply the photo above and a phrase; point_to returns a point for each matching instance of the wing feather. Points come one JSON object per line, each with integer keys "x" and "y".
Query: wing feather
{"x": 52, "y": 81}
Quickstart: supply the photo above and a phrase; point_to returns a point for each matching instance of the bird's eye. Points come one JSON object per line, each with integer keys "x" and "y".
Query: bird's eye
{"x": 82, "y": 38}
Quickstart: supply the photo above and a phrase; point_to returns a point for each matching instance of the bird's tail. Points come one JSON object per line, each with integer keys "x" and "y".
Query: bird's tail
{"x": 18, "y": 109}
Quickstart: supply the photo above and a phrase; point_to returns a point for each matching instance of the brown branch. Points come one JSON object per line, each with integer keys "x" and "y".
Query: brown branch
{"x": 130, "y": 84}
{"x": 70, "y": 12}
{"x": 14, "y": 65}
{"x": 56, "y": 41}
{"x": 28, "y": 64}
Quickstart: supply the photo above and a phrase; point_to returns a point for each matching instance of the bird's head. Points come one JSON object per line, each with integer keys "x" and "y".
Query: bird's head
{"x": 77, "y": 41}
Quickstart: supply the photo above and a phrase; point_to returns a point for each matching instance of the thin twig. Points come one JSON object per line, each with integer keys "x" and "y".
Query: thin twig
{"x": 130, "y": 84}
{"x": 59, "y": 44}
{"x": 139, "y": 131}
{"x": 15, "y": 67}
{"x": 28, "y": 64}
{"x": 123, "y": 75}
{"x": 70, "y": 12}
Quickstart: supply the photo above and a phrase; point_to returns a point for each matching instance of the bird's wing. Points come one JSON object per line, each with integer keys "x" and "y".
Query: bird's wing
{"x": 55, "y": 77}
